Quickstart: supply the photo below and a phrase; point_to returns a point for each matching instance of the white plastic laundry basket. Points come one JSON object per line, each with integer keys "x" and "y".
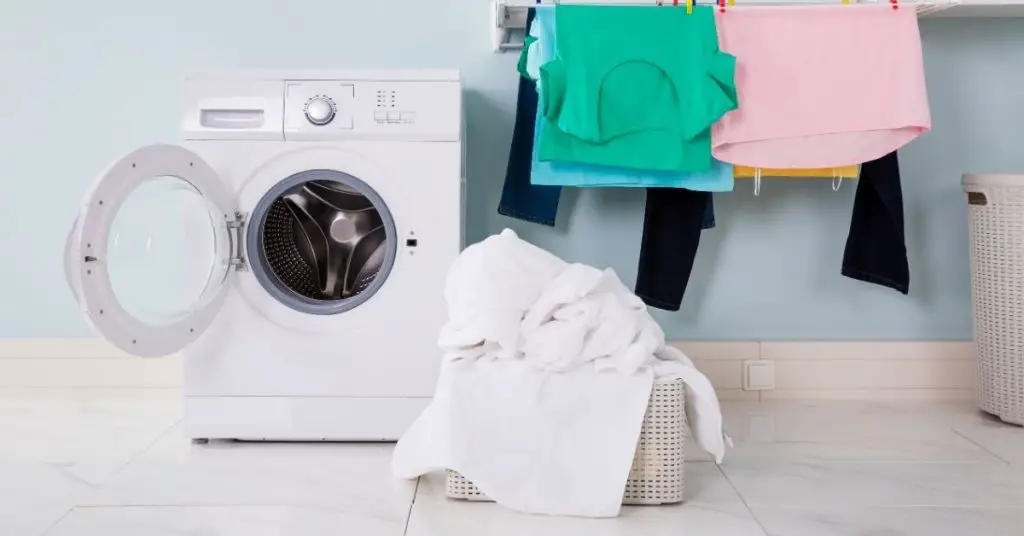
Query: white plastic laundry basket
{"x": 996, "y": 206}
{"x": 657, "y": 473}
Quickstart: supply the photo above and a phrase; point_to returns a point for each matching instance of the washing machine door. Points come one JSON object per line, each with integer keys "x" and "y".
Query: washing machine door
{"x": 151, "y": 252}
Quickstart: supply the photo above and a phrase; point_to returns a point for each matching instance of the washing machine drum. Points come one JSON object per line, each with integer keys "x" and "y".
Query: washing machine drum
{"x": 325, "y": 242}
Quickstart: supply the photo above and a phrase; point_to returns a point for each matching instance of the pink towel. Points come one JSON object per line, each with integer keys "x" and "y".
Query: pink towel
{"x": 821, "y": 86}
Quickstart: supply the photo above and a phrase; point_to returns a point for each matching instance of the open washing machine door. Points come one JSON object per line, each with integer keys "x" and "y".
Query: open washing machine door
{"x": 153, "y": 248}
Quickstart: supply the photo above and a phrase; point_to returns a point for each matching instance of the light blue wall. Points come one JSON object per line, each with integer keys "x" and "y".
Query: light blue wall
{"x": 85, "y": 82}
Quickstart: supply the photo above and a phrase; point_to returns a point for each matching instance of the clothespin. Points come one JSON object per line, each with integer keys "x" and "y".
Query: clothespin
{"x": 732, "y": 3}
{"x": 846, "y": 2}
{"x": 757, "y": 181}
{"x": 895, "y": 4}
{"x": 721, "y": 6}
{"x": 689, "y": 7}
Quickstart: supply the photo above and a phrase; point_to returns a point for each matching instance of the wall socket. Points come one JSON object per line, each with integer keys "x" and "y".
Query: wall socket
{"x": 758, "y": 375}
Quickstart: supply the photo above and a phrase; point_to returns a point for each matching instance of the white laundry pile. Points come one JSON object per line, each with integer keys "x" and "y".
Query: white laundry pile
{"x": 547, "y": 371}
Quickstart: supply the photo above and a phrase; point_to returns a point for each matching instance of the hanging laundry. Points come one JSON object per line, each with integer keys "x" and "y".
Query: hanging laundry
{"x": 522, "y": 200}
{"x": 719, "y": 178}
{"x": 844, "y": 172}
{"x": 876, "y": 248}
{"x": 668, "y": 248}
{"x": 519, "y": 198}
{"x": 634, "y": 87}
{"x": 821, "y": 86}
{"x": 539, "y": 51}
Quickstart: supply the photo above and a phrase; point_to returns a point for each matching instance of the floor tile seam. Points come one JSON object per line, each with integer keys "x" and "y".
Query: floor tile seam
{"x": 981, "y": 446}
{"x": 743, "y": 500}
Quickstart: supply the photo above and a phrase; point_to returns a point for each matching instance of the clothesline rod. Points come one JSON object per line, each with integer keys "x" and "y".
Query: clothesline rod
{"x": 522, "y": 4}
{"x": 510, "y": 15}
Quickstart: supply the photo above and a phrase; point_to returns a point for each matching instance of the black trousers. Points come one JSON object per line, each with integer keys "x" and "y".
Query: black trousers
{"x": 876, "y": 250}
{"x": 672, "y": 226}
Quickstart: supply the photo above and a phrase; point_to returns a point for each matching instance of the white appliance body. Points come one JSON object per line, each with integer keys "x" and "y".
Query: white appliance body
{"x": 256, "y": 366}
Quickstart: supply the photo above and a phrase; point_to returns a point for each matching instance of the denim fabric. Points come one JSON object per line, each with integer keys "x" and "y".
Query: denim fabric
{"x": 876, "y": 249}
{"x": 672, "y": 229}
{"x": 520, "y": 198}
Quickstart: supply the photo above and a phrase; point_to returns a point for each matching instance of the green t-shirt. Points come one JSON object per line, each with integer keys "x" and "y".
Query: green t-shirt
{"x": 635, "y": 87}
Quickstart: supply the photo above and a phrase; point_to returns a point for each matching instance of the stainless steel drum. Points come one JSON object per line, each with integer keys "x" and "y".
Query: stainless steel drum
{"x": 322, "y": 241}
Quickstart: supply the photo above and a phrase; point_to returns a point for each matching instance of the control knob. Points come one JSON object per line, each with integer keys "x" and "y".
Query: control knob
{"x": 320, "y": 110}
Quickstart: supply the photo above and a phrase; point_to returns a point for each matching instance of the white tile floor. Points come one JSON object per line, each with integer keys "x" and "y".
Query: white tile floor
{"x": 116, "y": 464}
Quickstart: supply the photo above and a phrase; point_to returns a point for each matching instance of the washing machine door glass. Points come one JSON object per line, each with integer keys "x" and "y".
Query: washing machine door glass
{"x": 152, "y": 250}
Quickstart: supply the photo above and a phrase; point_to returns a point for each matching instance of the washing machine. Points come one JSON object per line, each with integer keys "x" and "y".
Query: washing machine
{"x": 292, "y": 250}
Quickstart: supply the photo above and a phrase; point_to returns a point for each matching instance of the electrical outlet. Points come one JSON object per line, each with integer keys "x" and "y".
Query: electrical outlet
{"x": 758, "y": 375}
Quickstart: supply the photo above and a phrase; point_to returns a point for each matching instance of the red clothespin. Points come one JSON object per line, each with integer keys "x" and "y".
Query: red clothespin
{"x": 675, "y": 3}
{"x": 895, "y": 4}
{"x": 721, "y": 6}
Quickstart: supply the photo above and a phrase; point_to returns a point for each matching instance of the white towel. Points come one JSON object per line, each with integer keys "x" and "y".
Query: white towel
{"x": 487, "y": 289}
{"x": 548, "y": 370}
{"x": 533, "y": 441}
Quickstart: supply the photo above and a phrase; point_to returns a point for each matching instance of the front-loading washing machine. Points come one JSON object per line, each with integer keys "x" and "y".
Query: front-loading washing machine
{"x": 292, "y": 249}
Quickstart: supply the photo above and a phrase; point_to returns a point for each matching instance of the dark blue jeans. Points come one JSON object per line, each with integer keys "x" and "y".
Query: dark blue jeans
{"x": 876, "y": 250}
{"x": 519, "y": 198}
{"x": 522, "y": 200}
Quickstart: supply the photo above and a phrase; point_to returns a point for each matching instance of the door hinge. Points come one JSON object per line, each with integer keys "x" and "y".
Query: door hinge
{"x": 236, "y": 234}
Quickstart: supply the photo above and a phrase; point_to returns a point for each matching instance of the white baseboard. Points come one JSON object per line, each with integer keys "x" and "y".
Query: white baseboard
{"x": 911, "y": 370}
{"x": 883, "y": 370}
{"x": 81, "y": 363}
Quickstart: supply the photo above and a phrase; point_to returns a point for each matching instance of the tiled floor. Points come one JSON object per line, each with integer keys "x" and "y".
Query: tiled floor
{"x": 116, "y": 464}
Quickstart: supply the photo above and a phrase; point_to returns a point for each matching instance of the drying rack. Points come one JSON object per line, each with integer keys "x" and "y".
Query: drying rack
{"x": 508, "y": 17}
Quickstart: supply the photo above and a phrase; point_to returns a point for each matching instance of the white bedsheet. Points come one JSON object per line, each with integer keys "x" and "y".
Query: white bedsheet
{"x": 548, "y": 367}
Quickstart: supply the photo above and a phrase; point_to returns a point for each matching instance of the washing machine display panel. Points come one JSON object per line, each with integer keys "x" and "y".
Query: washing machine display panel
{"x": 422, "y": 111}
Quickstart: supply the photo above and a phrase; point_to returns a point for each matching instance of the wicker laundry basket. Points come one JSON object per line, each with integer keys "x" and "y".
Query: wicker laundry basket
{"x": 657, "y": 473}
{"x": 996, "y": 207}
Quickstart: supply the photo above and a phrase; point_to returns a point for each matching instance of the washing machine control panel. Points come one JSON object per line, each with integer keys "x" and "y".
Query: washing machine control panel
{"x": 400, "y": 110}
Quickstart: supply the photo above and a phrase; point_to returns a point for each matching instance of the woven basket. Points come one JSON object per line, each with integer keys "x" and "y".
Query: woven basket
{"x": 996, "y": 207}
{"x": 657, "y": 473}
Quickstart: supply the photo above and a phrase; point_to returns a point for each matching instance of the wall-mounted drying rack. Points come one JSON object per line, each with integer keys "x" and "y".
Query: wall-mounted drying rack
{"x": 508, "y": 17}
